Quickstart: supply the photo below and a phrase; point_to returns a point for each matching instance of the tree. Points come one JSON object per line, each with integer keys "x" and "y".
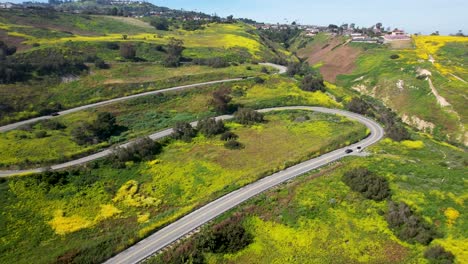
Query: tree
{"x": 378, "y": 25}
{"x": 100, "y": 130}
{"x": 210, "y": 127}
{"x": 127, "y": 51}
{"x": 435, "y": 33}
{"x": 114, "y": 11}
{"x": 160, "y": 23}
{"x": 183, "y": 131}
{"x": 174, "y": 53}
{"x": 230, "y": 19}
{"x": 248, "y": 116}
{"x": 105, "y": 125}
{"x": 141, "y": 149}
{"x": 221, "y": 99}
{"x": 312, "y": 83}
{"x": 358, "y": 105}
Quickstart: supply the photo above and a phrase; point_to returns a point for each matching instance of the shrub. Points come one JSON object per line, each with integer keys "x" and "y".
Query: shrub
{"x": 160, "y": 23}
{"x": 52, "y": 125}
{"x": 127, "y": 51}
{"x": 142, "y": 149}
{"x": 358, "y": 105}
{"x": 187, "y": 252}
{"x": 394, "y": 56}
{"x": 210, "y": 127}
{"x": 40, "y": 134}
{"x": 264, "y": 70}
{"x": 371, "y": 186}
{"x": 183, "y": 131}
{"x": 221, "y": 100}
{"x": 438, "y": 255}
{"x": 249, "y": 68}
{"x": 101, "y": 64}
{"x": 407, "y": 225}
{"x": 312, "y": 83}
{"x": 248, "y": 116}
{"x": 112, "y": 45}
{"x": 100, "y": 130}
{"x": 174, "y": 53}
{"x": 233, "y": 145}
{"x": 228, "y": 135}
{"x": 259, "y": 80}
{"x": 229, "y": 236}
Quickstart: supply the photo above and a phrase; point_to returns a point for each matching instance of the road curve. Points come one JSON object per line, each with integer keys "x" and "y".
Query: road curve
{"x": 164, "y": 133}
{"x": 281, "y": 69}
{"x": 192, "y": 221}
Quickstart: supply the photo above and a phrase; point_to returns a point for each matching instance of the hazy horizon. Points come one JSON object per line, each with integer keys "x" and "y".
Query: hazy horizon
{"x": 425, "y": 16}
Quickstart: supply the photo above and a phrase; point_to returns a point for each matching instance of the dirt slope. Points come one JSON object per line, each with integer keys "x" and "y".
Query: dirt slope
{"x": 336, "y": 56}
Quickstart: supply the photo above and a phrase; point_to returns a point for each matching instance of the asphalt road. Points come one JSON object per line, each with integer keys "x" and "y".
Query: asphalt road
{"x": 192, "y": 221}
{"x": 281, "y": 69}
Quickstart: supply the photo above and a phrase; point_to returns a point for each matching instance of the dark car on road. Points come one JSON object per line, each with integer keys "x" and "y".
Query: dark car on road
{"x": 55, "y": 114}
{"x": 349, "y": 151}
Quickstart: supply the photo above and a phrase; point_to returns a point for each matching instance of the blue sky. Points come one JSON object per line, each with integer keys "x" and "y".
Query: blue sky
{"x": 447, "y": 16}
{"x": 426, "y": 16}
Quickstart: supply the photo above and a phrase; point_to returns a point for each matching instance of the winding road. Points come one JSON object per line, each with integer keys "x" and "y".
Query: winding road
{"x": 171, "y": 233}
{"x": 281, "y": 69}
{"x": 164, "y": 237}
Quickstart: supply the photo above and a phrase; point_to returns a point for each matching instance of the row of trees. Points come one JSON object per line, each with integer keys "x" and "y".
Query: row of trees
{"x": 394, "y": 128}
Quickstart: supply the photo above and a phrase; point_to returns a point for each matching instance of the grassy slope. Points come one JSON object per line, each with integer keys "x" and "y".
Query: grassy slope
{"x": 377, "y": 75}
{"x": 320, "y": 220}
{"x": 89, "y": 35}
{"x": 84, "y": 210}
{"x": 122, "y": 79}
{"x": 146, "y": 115}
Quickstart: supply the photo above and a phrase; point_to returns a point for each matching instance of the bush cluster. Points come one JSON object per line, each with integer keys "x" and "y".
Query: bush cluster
{"x": 247, "y": 116}
{"x": 312, "y": 83}
{"x": 174, "y": 53}
{"x": 183, "y": 131}
{"x": 407, "y": 225}
{"x": 438, "y": 255}
{"x": 142, "y": 149}
{"x": 233, "y": 145}
{"x": 22, "y": 67}
{"x": 371, "y": 186}
{"x": 229, "y": 236}
{"x": 210, "y": 127}
{"x": 228, "y": 135}
{"x": 100, "y": 130}
{"x": 221, "y": 99}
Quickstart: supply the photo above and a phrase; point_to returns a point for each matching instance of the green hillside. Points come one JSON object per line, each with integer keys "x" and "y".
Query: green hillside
{"x": 77, "y": 59}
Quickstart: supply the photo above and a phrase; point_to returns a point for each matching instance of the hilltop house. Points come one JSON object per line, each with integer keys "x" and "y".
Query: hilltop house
{"x": 395, "y": 35}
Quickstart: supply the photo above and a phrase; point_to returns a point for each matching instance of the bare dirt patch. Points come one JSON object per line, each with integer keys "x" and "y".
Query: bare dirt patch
{"x": 336, "y": 58}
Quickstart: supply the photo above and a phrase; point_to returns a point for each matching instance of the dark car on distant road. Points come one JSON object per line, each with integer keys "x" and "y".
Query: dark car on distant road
{"x": 55, "y": 114}
{"x": 349, "y": 151}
